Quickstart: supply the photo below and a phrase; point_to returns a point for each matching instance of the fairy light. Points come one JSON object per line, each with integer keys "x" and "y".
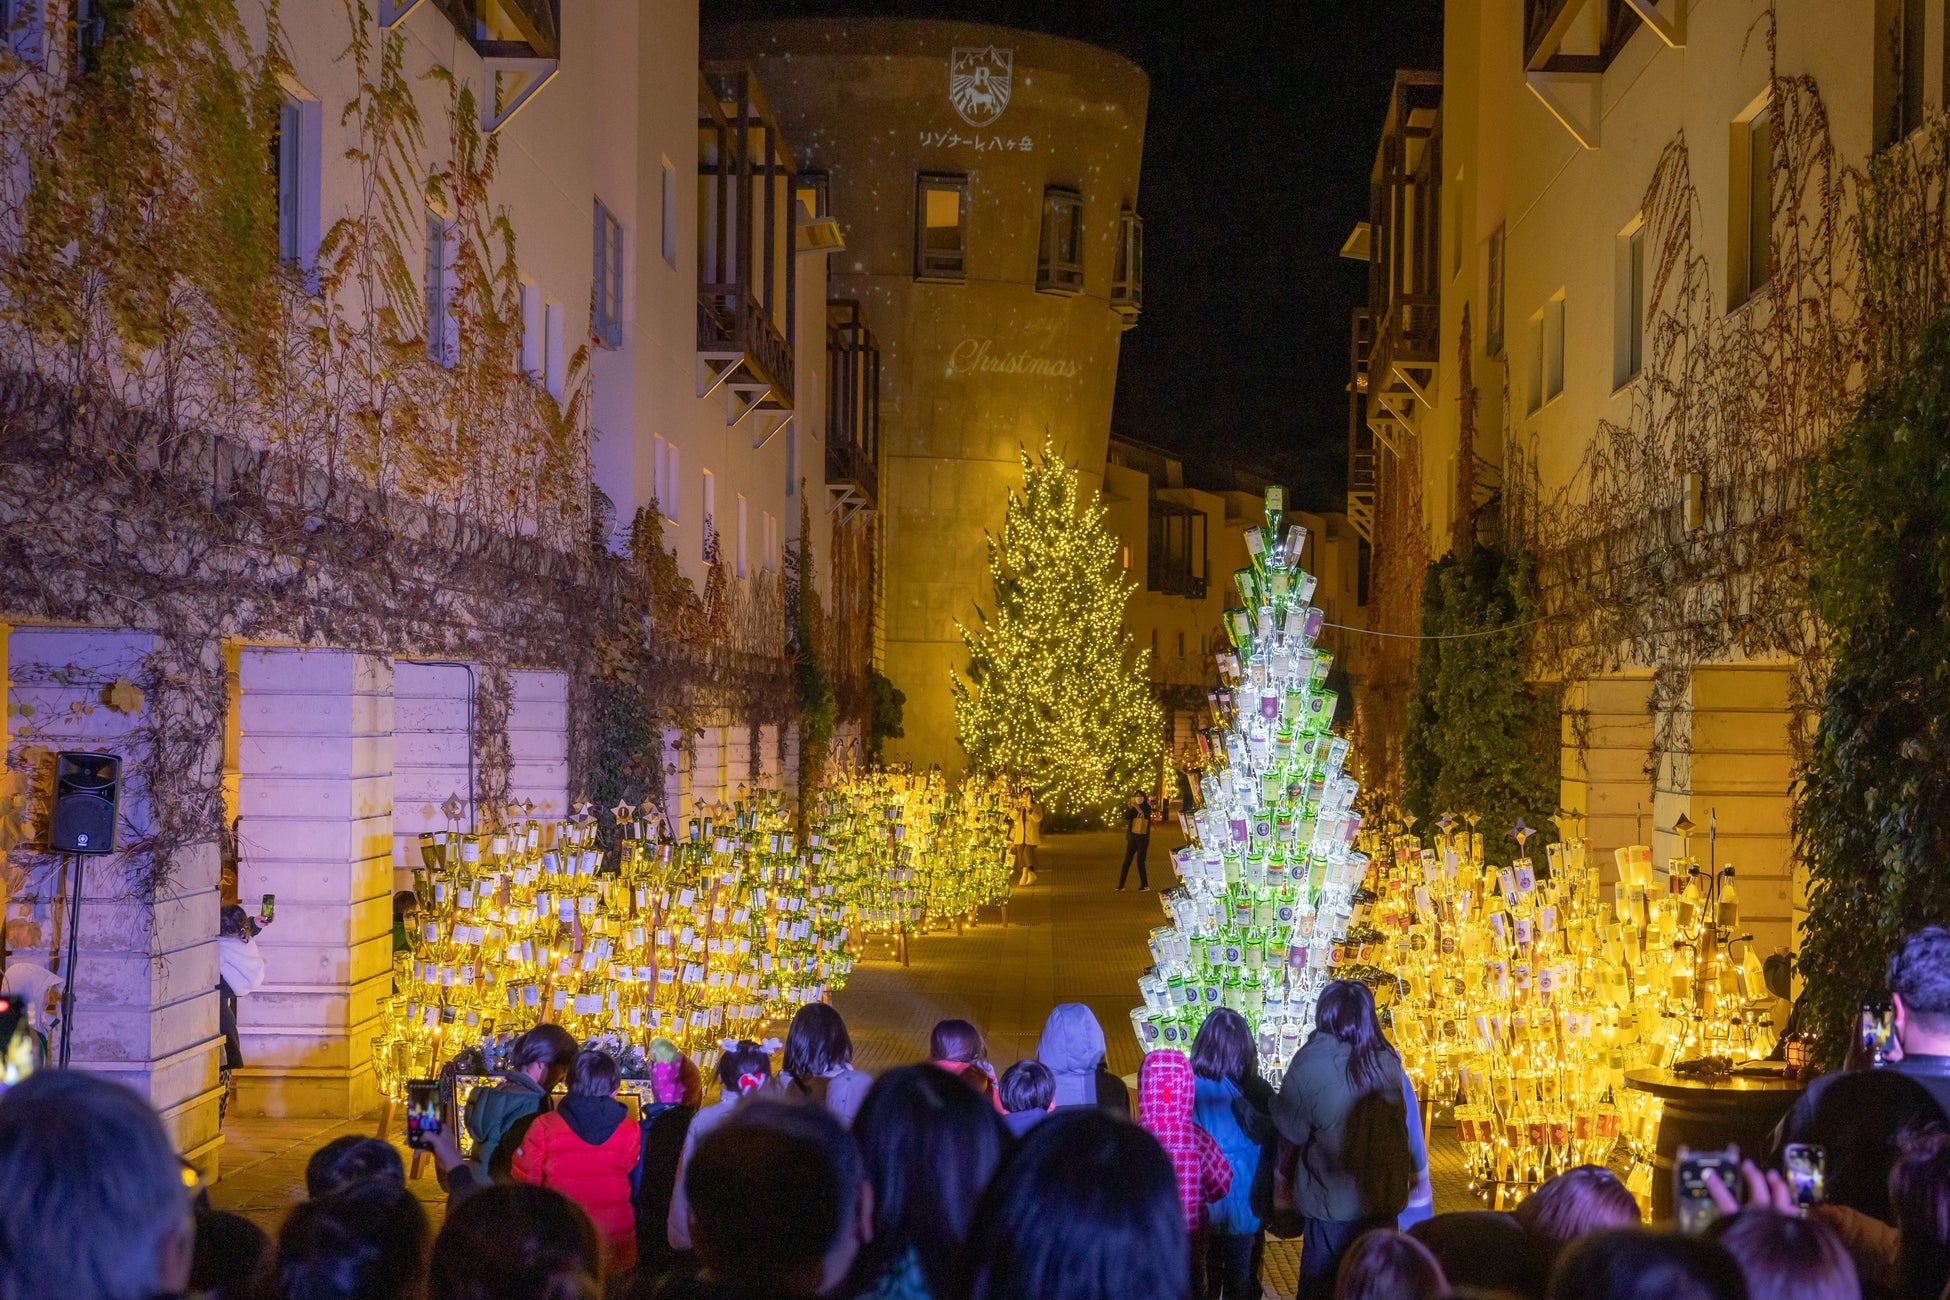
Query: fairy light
{"x": 694, "y": 934}
{"x": 1056, "y": 693}
{"x": 908, "y": 851}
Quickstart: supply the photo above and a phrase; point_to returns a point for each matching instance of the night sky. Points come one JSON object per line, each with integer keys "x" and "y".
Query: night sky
{"x": 1262, "y": 128}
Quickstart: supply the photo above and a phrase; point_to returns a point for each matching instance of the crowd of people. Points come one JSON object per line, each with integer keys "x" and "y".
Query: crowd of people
{"x": 946, "y": 1180}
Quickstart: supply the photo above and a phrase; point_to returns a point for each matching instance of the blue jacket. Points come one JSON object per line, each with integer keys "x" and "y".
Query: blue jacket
{"x": 1212, "y": 1108}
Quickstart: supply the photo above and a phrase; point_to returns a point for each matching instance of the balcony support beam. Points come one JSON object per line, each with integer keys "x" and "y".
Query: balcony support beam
{"x": 1670, "y": 30}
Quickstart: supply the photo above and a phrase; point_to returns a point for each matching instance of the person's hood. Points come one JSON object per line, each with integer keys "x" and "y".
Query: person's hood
{"x": 1072, "y": 1041}
{"x": 592, "y": 1119}
{"x": 1166, "y": 1089}
{"x": 516, "y": 1081}
{"x": 30, "y": 983}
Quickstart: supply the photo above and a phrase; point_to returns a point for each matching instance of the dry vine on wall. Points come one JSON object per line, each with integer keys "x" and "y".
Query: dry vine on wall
{"x": 203, "y": 443}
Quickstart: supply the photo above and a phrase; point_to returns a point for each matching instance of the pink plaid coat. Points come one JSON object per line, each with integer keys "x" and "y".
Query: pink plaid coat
{"x": 1165, "y": 1094}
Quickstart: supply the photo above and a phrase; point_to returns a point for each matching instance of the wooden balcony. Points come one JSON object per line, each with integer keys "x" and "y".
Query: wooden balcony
{"x": 852, "y": 410}
{"x": 1404, "y": 261}
{"x": 1360, "y": 438}
{"x": 746, "y": 273}
{"x": 519, "y": 43}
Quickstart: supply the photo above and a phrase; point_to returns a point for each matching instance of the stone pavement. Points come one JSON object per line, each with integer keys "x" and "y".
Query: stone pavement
{"x": 1070, "y": 937}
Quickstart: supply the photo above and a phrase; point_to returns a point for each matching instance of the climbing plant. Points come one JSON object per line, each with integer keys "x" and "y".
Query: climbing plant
{"x": 1872, "y": 823}
{"x": 1479, "y": 738}
{"x": 884, "y": 721}
{"x": 816, "y": 704}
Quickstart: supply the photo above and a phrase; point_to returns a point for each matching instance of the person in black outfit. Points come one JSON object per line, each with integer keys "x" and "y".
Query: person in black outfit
{"x": 1137, "y": 839}
{"x": 1860, "y": 1116}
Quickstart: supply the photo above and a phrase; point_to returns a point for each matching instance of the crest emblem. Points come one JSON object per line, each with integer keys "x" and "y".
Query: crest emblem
{"x": 978, "y": 82}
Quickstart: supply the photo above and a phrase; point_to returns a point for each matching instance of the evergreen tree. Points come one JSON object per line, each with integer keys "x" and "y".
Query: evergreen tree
{"x": 1056, "y": 694}
{"x": 1872, "y": 822}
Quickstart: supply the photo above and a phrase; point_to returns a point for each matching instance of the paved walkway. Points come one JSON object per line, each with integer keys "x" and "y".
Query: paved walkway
{"x": 1070, "y": 937}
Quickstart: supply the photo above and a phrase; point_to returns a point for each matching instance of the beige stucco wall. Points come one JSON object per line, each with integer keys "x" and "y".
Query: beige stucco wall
{"x": 868, "y": 102}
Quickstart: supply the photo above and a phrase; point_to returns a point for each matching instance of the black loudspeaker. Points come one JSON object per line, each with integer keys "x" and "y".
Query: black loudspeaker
{"x": 87, "y": 797}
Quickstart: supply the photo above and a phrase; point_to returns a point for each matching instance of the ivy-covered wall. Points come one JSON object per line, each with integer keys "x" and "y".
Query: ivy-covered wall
{"x": 1480, "y": 739}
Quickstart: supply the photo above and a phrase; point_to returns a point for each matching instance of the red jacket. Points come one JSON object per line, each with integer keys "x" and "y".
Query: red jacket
{"x": 1166, "y": 1092}
{"x": 556, "y": 1152}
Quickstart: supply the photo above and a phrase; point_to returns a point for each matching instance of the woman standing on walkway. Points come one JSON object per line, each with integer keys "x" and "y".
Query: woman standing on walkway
{"x": 1348, "y": 1106}
{"x": 1226, "y": 1065}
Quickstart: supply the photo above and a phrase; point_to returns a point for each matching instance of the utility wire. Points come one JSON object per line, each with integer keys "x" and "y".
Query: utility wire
{"x": 1445, "y": 636}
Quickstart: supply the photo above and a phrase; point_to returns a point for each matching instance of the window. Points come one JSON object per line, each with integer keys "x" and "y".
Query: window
{"x": 940, "y": 227}
{"x": 1533, "y": 353}
{"x": 1127, "y": 281}
{"x": 741, "y": 535}
{"x": 670, "y": 493}
{"x": 810, "y": 189}
{"x": 555, "y": 365}
{"x": 531, "y": 331}
{"x": 23, "y": 26}
{"x": 1628, "y": 316}
{"x": 1554, "y": 346}
{"x": 295, "y": 159}
{"x": 90, "y": 33}
{"x": 606, "y": 277}
{"x": 1059, "y": 264}
{"x": 1181, "y": 644}
{"x": 1176, "y": 562}
{"x": 1124, "y": 557}
{"x": 669, "y": 212}
{"x": 1493, "y": 294}
{"x": 768, "y": 556}
{"x": 657, "y": 479}
{"x": 1751, "y": 209}
{"x": 710, "y": 515}
{"x": 442, "y": 344}
{"x": 1899, "y": 72}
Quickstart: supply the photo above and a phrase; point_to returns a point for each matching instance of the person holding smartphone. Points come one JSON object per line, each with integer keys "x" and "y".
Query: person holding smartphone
{"x": 1858, "y": 1113}
{"x": 241, "y": 972}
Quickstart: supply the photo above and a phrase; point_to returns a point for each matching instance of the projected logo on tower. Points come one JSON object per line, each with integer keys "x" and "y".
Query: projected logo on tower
{"x": 978, "y": 82}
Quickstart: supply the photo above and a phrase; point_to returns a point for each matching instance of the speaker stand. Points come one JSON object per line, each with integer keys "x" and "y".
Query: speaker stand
{"x": 67, "y": 967}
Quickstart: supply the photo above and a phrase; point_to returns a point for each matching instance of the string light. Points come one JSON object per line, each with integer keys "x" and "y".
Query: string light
{"x": 1057, "y": 694}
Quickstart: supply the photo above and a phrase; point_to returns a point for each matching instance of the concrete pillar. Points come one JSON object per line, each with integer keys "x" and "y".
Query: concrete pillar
{"x": 738, "y": 759}
{"x": 433, "y": 751}
{"x": 677, "y": 777}
{"x": 315, "y": 791}
{"x": 1607, "y": 746}
{"x": 146, "y": 966}
{"x": 707, "y": 768}
{"x": 538, "y": 741}
{"x": 768, "y": 756}
{"x": 1743, "y": 769}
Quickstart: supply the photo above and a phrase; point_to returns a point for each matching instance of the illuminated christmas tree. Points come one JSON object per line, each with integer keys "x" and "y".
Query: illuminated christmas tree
{"x": 1056, "y": 695}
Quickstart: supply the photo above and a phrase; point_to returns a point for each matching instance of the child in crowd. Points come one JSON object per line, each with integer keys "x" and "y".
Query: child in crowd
{"x": 744, "y": 1069}
{"x": 1166, "y": 1092}
{"x": 1028, "y": 1092}
{"x": 586, "y": 1148}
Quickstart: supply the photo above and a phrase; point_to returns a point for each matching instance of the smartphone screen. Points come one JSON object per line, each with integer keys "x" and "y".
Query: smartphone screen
{"x": 20, "y": 1047}
{"x": 422, "y": 1113}
{"x": 1878, "y": 1029}
{"x": 269, "y": 908}
{"x": 1692, "y": 1203}
{"x": 1806, "y": 1168}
